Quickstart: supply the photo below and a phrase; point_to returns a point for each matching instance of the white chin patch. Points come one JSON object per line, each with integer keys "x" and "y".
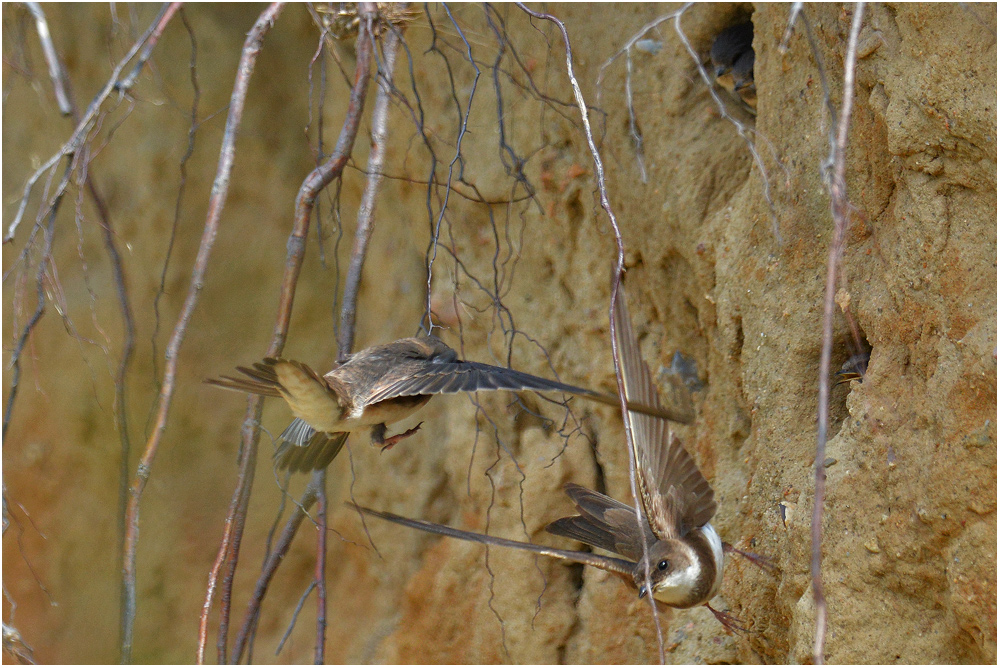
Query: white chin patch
{"x": 677, "y": 587}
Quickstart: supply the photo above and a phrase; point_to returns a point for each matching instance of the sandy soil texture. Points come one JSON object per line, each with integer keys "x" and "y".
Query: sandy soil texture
{"x": 716, "y": 272}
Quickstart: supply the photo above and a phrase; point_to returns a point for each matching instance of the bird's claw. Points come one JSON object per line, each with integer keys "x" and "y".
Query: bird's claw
{"x": 731, "y": 622}
{"x": 393, "y": 440}
{"x": 758, "y": 560}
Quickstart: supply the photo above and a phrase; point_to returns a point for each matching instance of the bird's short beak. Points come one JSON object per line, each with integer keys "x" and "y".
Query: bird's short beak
{"x": 846, "y": 377}
{"x": 719, "y": 71}
{"x": 642, "y": 591}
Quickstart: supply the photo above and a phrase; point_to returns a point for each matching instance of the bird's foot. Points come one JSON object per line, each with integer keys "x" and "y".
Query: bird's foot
{"x": 387, "y": 443}
{"x": 758, "y": 560}
{"x": 732, "y": 623}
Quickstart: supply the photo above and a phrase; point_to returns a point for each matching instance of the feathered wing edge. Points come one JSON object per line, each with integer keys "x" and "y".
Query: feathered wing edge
{"x": 463, "y": 376}
{"x": 610, "y": 564}
{"x": 303, "y": 449}
{"x": 675, "y": 495}
{"x": 647, "y": 432}
{"x": 603, "y": 522}
{"x": 690, "y": 494}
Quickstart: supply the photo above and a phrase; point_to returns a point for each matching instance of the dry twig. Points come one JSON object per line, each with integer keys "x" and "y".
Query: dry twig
{"x": 318, "y": 180}
{"x": 67, "y": 105}
{"x": 313, "y": 184}
{"x": 840, "y": 210}
{"x": 626, "y": 50}
{"x": 792, "y": 15}
{"x": 56, "y": 71}
{"x": 619, "y": 270}
{"x": 88, "y": 119}
{"x": 271, "y": 566}
{"x": 366, "y": 210}
{"x": 220, "y": 189}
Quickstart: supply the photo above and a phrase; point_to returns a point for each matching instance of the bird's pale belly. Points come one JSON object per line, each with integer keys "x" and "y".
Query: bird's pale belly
{"x": 384, "y": 412}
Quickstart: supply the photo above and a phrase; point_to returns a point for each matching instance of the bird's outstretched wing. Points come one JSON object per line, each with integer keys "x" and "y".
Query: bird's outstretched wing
{"x": 458, "y": 376}
{"x": 611, "y": 564}
{"x": 674, "y": 494}
{"x": 603, "y": 522}
{"x": 434, "y": 377}
{"x": 303, "y": 449}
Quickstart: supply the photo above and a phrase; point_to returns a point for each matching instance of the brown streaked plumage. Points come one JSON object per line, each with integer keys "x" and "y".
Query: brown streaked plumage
{"x": 672, "y": 540}
{"x": 381, "y": 385}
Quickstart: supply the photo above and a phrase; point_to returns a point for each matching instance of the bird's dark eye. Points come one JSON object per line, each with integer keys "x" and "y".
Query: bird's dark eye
{"x": 663, "y": 565}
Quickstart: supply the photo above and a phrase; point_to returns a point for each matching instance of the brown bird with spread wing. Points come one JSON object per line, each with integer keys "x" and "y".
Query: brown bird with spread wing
{"x": 381, "y": 385}
{"x": 672, "y": 552}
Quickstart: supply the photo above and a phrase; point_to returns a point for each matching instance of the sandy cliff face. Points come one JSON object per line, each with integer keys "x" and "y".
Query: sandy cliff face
{"x": 716, "y": 272}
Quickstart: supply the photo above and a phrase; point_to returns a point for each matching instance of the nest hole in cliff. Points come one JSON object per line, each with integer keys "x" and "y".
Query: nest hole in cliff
{"x": 850, "y": 358}
{"x": 732, "y": 58}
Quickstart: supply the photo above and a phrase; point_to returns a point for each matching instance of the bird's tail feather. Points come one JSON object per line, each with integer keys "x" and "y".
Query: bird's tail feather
{"x": 244, "y": 385}
{"x": 303, "y": 449}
